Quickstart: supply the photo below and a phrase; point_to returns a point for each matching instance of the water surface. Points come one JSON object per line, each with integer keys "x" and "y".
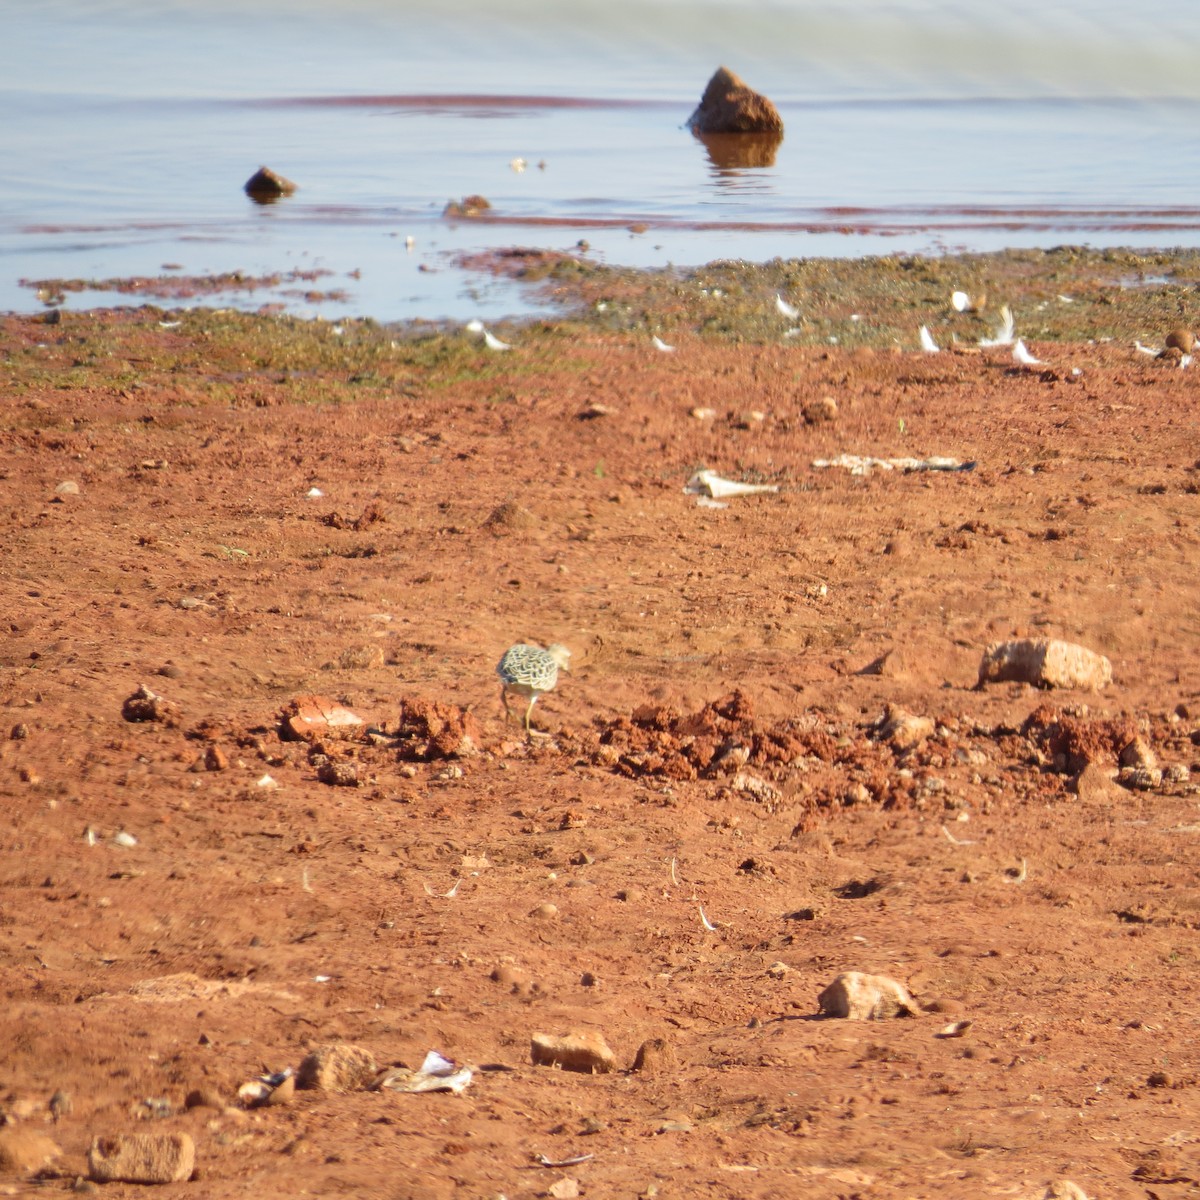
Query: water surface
{"x": 912, "y": 126}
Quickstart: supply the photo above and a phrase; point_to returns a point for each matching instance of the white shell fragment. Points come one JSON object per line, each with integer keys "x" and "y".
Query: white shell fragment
{"x": 927, "y": 342}
{"x": 659, "y": 344}
{"x": 708, "y": 483}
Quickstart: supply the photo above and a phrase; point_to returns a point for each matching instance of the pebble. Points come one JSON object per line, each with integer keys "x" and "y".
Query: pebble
{"x": 545, "y": 912}
{"x": 587, "y": 1052}
{"x": 68, "y": 487}
{"x": 142, "y": 1158}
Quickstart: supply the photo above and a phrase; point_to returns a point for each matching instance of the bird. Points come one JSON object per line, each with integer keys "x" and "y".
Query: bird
{"x": 785, "y": 309}
{"x": 529, "y": 671}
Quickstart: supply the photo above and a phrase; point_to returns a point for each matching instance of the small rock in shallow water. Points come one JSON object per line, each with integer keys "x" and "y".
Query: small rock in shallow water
{"x": 729, "y": 106}
{"x": 266, "y": 186}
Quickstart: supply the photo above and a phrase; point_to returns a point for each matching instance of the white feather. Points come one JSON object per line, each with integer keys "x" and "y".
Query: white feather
{"x": 927, "y": 342}
{"x": 1185, "y": 361}
{"x": 475, "y": 326}
{"x": 659, "y": 344}
{"x": 785, "y": 309}
{"x": 1145, "y": 349}
{"x": 1004, "y": 332}
{"x": 960, "y": 301}
{"x": 1022, "y": 355}
{"x": 493, "y": 342}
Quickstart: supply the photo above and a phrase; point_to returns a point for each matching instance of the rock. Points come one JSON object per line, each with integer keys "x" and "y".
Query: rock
{"x": 563, "y": 1189}
{"x": 1094, "y": 785}
{"x": 1044, "y": 662}
{"x": 818, "y": 411}
{"x": 655, "y": 1056}
{"x": 283, "y": 1092}
{"x": 307, "y": 718}
{"x": 429, "y": 730}
{"x": 68, "y": 487}
{"x": 729, "y": 106}
{"x": 859, "y": 997}
{"x": 1137, "y": 754}
{"x": 337, "y": 1067}
{"x": 215, "y": 759}
{"x": 204, "y": 1097}
{"x": 266, "y": 186}
{"x": 1064, "y": 1189}
{"x": 142, "y": 1158}
{"x": 145, "y": 705}
{"x": 24, "y": 1151}
{"x": 587, "y": 1052}
{"x": 901, "y": 729}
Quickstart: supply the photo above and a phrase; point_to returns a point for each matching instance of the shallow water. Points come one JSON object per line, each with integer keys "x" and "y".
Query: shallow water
{"x": 914, "y": 125}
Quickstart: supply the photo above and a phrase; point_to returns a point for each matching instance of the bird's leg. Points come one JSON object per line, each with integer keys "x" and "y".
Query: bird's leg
{"x": 504, "y": 701}
{"x": 529, "y": 713}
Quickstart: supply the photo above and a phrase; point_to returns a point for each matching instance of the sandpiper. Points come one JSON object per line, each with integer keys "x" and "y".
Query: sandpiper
{"x": 530, "y": 671}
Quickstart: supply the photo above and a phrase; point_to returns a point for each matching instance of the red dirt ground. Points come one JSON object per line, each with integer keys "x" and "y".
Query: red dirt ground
{"x": 467, "y": 510}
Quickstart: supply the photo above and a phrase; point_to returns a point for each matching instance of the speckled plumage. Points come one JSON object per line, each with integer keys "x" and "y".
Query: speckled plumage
{"x": 530, "y": 671}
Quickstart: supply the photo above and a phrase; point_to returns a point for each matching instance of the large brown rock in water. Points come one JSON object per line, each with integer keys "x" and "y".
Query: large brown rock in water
{"x": 729, "y": 106}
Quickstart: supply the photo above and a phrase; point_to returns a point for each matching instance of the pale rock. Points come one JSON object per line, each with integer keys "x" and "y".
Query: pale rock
{"x": 901, "y": 729}
{"x": 1044, "y": 662}
{"x": 1064, "y": 1189}
{"x": 142, "y": 1158}
{"x": 859, "y": 997}
{"x": 587, "y": 1052}
{"x": 337, "y": 1067}
{"x": 1138, "y": 754}
{"x": 1094, "y": 785}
